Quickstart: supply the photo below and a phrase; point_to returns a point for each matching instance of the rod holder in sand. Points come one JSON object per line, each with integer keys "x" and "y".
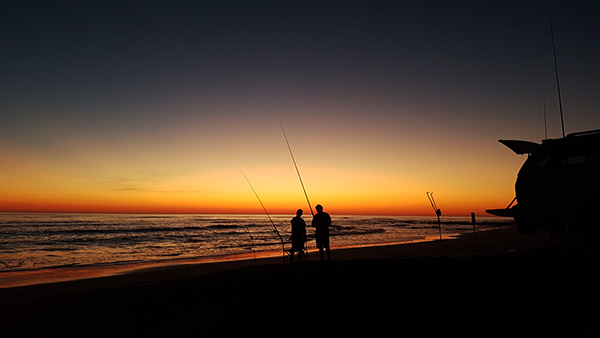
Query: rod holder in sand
{"x": 438, "y": 213}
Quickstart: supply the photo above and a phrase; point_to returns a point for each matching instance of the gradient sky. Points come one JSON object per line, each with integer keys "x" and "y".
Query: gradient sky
{"x": 155, "y": 106}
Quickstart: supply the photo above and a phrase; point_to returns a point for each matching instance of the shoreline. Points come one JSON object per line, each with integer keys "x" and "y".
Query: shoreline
{"x": 47, "y": 264}
{"x": 456, "y": 245}
{"x": 369, "y": 289}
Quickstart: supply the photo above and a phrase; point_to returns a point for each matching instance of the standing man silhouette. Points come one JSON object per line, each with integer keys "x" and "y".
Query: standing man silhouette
{"x": 298, "y": 235}
{"x": 321, "y": 222}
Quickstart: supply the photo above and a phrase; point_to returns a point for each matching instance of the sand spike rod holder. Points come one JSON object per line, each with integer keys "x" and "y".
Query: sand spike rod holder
{"x": 438, "y": 213}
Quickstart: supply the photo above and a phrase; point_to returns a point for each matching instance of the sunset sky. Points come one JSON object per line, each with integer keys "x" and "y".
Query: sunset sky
{"x": 156, "y": 106}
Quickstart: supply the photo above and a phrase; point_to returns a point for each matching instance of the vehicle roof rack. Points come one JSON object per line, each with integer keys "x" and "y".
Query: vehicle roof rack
{"x": 582, "y": 133}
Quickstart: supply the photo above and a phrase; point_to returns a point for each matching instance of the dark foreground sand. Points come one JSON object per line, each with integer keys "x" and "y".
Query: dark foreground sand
{"x": 514, "y": 285}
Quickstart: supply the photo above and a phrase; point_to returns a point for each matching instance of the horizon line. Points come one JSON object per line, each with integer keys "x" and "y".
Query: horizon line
{"x": 228, "y": 213}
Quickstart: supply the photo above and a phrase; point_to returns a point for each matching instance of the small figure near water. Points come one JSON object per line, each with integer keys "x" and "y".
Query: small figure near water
{"x": 321, "y": 222}
{"x": 298, "y": 235}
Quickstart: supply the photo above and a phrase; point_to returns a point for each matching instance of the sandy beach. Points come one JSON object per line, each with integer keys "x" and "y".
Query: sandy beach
{"x": 507, "y": 281}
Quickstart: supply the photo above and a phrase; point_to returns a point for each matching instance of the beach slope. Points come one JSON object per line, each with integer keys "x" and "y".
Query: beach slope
{"x": 363, "y": 290}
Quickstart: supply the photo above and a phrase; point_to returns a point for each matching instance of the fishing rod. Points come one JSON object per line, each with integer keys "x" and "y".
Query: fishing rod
{"x": 301, "y": 183}
{"x": 297, "y": 171}
{"x": 265, "y": 209}
{"x": 432, "y": 202}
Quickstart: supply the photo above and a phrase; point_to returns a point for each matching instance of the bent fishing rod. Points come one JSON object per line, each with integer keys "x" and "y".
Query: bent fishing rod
{"x": 297, "y": 170}
{"x": 265, "y": 209}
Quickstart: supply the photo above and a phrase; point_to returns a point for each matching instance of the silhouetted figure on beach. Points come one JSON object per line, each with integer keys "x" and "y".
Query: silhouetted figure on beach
{"x": 321, "y": 222}
{"x": 298, "y": 235}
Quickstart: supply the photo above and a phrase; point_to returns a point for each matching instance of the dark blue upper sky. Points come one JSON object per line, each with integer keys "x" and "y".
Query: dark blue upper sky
{"x": 94, "y": 53}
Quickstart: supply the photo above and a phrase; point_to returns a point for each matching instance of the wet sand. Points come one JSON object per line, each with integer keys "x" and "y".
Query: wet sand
{"x": 511, "y": 282}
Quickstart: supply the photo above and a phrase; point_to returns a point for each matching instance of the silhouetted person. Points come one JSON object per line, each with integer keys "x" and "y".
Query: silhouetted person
{"x": 298, "y": 235}
{"x": 321, "y": 222}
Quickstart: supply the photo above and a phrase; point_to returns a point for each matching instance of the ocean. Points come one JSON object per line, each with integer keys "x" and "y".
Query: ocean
{"x": 33, "y": 241}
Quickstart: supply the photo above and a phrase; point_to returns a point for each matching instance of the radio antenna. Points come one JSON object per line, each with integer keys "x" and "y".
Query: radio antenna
{"x": 562, "y": 121}
{"x": 545, "y": 123}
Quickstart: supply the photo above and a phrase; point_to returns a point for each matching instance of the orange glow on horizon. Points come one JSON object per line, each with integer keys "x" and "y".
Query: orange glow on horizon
{"x": 244, "y": 209}
{"x": 369, "y": 183}
{"x": 248, "y": 204}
